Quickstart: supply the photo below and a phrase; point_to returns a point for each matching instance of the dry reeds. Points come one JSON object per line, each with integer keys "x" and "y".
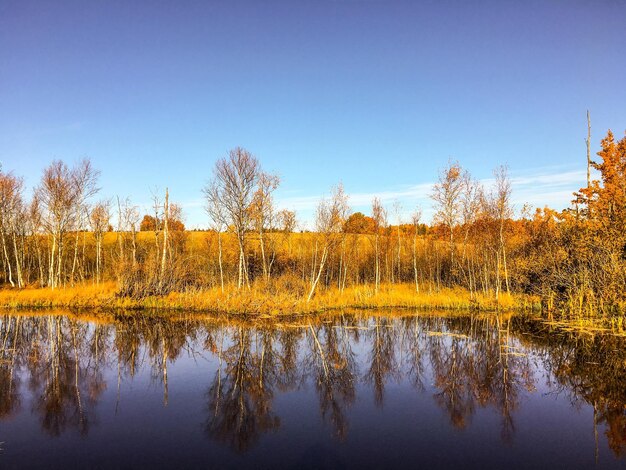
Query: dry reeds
{"x": 260, "y": 299}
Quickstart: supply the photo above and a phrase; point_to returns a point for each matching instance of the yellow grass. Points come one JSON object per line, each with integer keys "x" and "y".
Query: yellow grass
{"x": 83, "y": 296}
{"x": 258, "y": 301}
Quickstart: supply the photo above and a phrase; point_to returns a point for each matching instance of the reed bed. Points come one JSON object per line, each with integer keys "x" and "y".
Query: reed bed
{"x": 260, "y": 300}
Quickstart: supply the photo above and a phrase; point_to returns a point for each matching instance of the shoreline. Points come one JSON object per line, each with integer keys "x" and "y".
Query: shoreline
{"x": 262, "y": 301}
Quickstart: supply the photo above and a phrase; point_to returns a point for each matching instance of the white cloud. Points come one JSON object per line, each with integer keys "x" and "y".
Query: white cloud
{"x": 550, "y": 186}
{"x": 545, "y": 186}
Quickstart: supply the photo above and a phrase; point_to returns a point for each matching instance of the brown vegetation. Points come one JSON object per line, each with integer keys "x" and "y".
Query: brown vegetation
{"x": 252, "y": 258}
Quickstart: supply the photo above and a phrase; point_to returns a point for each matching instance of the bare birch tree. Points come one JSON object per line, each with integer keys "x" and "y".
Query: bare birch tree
{"x": 214, "y": 209}
{"x": 129, "y": 220}
{"x": 62, "y": 193}
{"x": 471, "y": 197}
{"x": 446, "y": 194}
{"x": 397, "y": 209}
{"x": 329, "y": 222}
{"x": 262, "y": 215}
{"x": 35, "y": 224}
{"x": 166, "y": 213}
{"x": 415, "y": 218}
{"x": 100, "y": 217}
{"x": 11, "y": 224}
{"x": 379, "y": 215}
{"x": 503, "y": 211}
{"x": 236, "y": 177}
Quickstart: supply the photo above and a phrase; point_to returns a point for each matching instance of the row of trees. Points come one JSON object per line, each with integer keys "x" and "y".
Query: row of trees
{"x": 58, "y": 207}
{"x": 578, "y": 255}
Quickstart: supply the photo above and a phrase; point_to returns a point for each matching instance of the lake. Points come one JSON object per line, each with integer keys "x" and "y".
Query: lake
{"x": 354, "y": 390}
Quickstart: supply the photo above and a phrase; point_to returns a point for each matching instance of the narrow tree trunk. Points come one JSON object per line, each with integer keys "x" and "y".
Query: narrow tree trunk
{"x": 271, "y": 263}
{"x": 243, "y": 270}
{"x": 340, "y": 267}
{"x": 120, "y": 240}
{"x": 506, "y": 273}
{"x": 314, "y": 263}
{"x": 6, "y": 257}
{"x": 18, "y": 262}
{"x": 451, "y": 253}
{"x": 39, "y": 262}
{"x": 319, "y": 273}
{"x": 51, "y": 265}
{"x": 399, "y": 255}
{"x": 219, "y": 257}
{"x": 588, "y": 141}
{"x": 264, "y": 261}
{"x": 75, "y": 260}
{"x": 345, "y": 276}
{"x": 497, "y": 276}
{"x": 60, "y": 260}
{"x": 165, "y": 235}
{"x": 377, "y": 273}
{"x": 83, "y": 268}
{"x": 134, "y": 236}
{"x": 98, "y": 256}
{"x": 417, "y": 286}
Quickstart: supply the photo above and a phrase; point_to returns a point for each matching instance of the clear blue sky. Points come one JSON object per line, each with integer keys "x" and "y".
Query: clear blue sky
{"x": 378, "y": 95}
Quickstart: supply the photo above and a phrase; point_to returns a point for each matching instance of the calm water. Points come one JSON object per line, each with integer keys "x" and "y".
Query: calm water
{"x": 354, "y": 391}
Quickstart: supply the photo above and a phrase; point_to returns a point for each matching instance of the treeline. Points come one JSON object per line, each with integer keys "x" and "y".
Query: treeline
{"x": 575, "y": 257}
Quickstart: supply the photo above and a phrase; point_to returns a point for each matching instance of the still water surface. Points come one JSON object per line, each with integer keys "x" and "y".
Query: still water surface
{"x": 396, "y": 390}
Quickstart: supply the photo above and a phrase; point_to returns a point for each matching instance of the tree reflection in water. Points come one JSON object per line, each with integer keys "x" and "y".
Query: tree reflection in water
{"x": 240, "y": 397}
{"x": 466, "y": 363}
{"x": 332, "y": 366}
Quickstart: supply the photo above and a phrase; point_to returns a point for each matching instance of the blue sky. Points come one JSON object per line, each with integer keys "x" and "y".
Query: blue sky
{"x": 376, "y": 94}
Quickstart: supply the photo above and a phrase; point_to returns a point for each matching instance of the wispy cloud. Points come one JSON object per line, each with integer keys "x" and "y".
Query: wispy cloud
{"x": 405, "y": 194}
{"x": 551, "y": 185}
{"x": 553, "y": 176}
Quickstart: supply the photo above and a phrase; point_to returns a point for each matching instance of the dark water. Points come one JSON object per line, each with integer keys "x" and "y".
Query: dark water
{"x": 352, "y": 391}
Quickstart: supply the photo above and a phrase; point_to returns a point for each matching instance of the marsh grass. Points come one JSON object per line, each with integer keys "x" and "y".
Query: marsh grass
{"x": 260, "y": 299}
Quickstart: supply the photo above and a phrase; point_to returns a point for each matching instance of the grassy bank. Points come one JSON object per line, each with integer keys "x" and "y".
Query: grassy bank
{"x": 258, "y": 300}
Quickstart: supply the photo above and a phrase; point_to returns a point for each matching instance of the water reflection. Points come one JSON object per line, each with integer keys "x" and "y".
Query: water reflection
{"x": 240, "y": 397}
{"x": 57, "y": 367}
